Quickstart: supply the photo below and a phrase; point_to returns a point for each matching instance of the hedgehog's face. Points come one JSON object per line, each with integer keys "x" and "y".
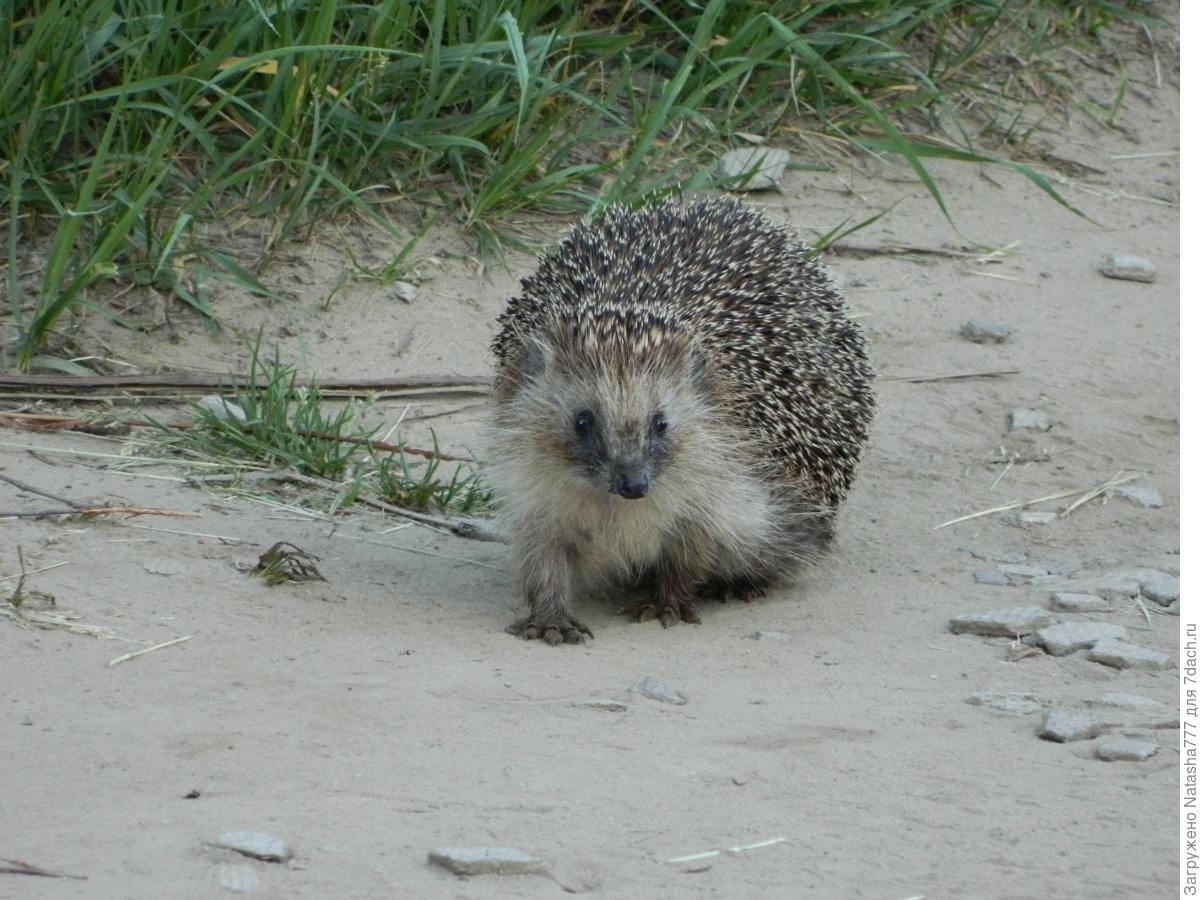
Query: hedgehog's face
{"x": 618, "y": 427}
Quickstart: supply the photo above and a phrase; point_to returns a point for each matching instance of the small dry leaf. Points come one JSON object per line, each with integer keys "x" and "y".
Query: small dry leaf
{"x": 279, "y": 564}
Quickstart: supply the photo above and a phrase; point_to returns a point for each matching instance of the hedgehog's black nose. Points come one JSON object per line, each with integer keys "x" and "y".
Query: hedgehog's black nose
{"x": 632, "y": 485}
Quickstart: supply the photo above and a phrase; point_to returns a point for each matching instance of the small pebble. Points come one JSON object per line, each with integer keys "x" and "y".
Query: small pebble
{"x": 994, "y": 578}
{"x": 1028, "y": 420}
{"x": 1129, "y": 268}
{"x": 769, "y": 162}
{"x": 1067, "y": 637}
{"x": 1122, "y": 748}
{"x": 163, "y": 567}
{"x": 981, "y": 331}
{"x": 225, "y": 410}
{"x": 256, "y": 844}
{"x": 772, "y": 636}
{"x": 486, "y": 861}
{"x": 1012, "y": 622}
{"x": 1067, "y": 602}
{"x": 1149, "y": 497}
{"x": 1121, "y": 655}
{"x": 1021, "y": 703}
{"x": 239, "y": 878}
{"x": 1034, "y": 517}
{"x": 657, "y": 690}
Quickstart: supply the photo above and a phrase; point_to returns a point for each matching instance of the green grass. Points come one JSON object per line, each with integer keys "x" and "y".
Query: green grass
{"x": 271, "y": 420}
{"x": 126, "y": 124}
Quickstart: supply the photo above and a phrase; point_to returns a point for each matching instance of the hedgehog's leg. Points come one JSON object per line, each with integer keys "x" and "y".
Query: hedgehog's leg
{"x": 676, "y": 596}
{"x": 547, "y": 580}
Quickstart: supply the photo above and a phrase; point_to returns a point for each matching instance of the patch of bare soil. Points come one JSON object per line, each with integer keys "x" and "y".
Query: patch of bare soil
{"x": 371, "y": 717}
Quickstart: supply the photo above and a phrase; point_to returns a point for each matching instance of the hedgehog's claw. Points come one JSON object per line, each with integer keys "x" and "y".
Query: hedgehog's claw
{"x": 670, "y": 611}
{"x": 568, "y": 630}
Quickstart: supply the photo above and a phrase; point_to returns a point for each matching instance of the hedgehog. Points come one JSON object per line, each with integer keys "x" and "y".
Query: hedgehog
{"x": 680, "y": 404}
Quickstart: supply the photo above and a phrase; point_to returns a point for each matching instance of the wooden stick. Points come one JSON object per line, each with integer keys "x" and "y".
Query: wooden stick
{"x": 145, "y": 650}
{"x": 961, "y": 376}
{"x": 435, "y": 384}
{"x": 102, "y": 511}
{"x": 20, "y": 485}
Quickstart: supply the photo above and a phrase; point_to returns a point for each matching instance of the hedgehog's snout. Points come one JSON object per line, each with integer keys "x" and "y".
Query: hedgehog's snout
{"x": 632, "y": 485}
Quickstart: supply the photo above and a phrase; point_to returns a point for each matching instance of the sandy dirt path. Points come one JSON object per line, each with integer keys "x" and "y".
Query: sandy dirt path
{"x": 384, "y": 713}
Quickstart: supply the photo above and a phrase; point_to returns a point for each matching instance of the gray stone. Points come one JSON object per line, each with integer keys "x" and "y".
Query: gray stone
{"x": 225, "y": 410}
{"x": 1139, "y": 710}
{"x": 1064, "y": 567}
{"x": 1149, "y": 497}
{"x": 240, "y": 878}
{"x": 1124, "y": 748}
{"x": 767, "y": 163}
{"x": 993, "y": 578}
{"x": 1000, "y": 556}
{"x": 1160, "y": 587}
{"x": 1067, "y": 637}
{"x": 772, "y": 636}
{"x": 1063, "y": 724}
{"x": 1129, "y": 268}
{"x": 163, "y": 567}
{"x": 657, "y": 690}
{"x": 486, "y": 861}
{"x": 1110, "y": 585}
{"x": 1034, "y": 517}
{"x": 256, "y": 844}
{"x": 1018, "y": 702}
{"x": 1067, "y": 602}
{"x": 1012, "y": 622}
{"x": 1022, "y": 573}
{"x": 1028, "y": 420}
{"x": 603, "y": 705}
{"x": 1121, "y": 655}
{"x": 981, "y": 331}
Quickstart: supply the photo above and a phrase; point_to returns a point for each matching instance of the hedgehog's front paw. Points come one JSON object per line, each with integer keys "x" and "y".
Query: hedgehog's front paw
{"x": 670, "y": 611}
{"x": 564, "y": 630}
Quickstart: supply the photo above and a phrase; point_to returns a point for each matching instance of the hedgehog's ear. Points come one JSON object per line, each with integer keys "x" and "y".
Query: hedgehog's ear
{"x": 534, "y": 362}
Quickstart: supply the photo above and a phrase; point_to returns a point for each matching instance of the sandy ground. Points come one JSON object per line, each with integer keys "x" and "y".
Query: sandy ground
{"x": 384, "y": 713}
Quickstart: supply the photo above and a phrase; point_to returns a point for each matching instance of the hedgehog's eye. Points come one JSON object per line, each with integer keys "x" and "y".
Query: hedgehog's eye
{"x": 584, "y": 420}
{"x": 659, "y": 423}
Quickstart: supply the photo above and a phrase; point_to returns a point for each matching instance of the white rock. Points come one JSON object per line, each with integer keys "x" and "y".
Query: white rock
{"x": 658, "y": 690}
{"x": 981, "y": 331}
{"x": 1129, "y": 268}
{"x": 1121, "y": 655}
{"x": 1139, "y": 710}
{"x": 1067, "y": 602}
{"x": 1149, "y": 497}
{"x": 780, "y": 636}
{"x": 256, "y": 844}
{"x": 1028, "y": 420}
{"x": 1123, "y": 748}
{"x": 486, "y": 861}
{"x": 768, "y": 161}
{"x": 226, "y": 410}
{"x": 1067, "y": 637}
{"x": 1062, "y": 724}
{"x": 1035, "y": 517}
{"x": 1012, "y": 622}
